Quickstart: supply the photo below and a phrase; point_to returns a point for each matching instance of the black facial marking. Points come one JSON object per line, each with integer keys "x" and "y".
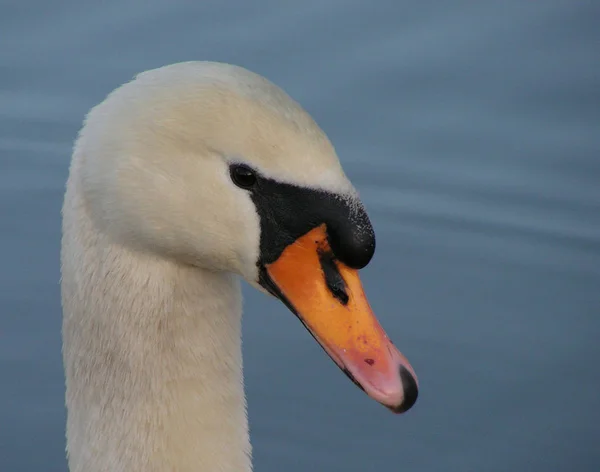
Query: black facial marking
{"x": 333, "y": 279}
{"x": 288, "y": 211}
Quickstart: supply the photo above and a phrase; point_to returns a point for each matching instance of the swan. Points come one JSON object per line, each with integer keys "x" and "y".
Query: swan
{"x": 183, "y": 181}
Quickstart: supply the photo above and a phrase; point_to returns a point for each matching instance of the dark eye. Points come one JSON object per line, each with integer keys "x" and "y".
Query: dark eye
{"x": 242, "y": 175}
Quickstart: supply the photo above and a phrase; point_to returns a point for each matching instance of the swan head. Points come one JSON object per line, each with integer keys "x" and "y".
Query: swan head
{"x": 213, "y": 166}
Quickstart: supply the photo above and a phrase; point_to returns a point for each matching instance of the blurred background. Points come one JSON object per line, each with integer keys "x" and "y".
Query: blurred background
{"x": 472, "y": 131}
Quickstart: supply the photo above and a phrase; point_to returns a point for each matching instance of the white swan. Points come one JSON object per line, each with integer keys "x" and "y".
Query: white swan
{"x": 180, "y": 181}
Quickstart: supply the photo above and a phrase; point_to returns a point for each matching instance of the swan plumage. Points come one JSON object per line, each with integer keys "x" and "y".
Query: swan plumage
{"x": 155, "y": 238}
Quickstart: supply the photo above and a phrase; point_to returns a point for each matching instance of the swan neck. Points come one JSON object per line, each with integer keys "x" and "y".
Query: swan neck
{"x": 153, "y": 361}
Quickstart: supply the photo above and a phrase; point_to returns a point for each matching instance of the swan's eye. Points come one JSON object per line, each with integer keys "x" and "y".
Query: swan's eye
{"x": 242, "y": 175}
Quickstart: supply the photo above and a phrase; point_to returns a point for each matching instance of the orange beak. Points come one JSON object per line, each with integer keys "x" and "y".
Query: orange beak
{"x": 328, "y": 298}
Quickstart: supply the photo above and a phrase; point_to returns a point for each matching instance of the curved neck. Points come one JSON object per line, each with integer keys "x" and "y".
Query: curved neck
{"x": 153, "y": 362}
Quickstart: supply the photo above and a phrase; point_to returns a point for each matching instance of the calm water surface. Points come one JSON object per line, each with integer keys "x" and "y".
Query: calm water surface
{"x": 472, "y": 130}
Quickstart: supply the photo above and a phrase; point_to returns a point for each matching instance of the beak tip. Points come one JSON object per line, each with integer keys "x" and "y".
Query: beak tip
{"x": 410, "y": 389}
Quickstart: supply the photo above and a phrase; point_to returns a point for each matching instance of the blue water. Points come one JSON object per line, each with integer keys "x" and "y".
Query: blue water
{"x": 472, "y": 131}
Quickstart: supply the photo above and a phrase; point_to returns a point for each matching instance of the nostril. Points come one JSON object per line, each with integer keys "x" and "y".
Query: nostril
{"x": 334, "y": 281}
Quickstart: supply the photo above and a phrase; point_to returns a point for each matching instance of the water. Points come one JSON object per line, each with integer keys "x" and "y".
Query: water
{"x": 472, "y": 130}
